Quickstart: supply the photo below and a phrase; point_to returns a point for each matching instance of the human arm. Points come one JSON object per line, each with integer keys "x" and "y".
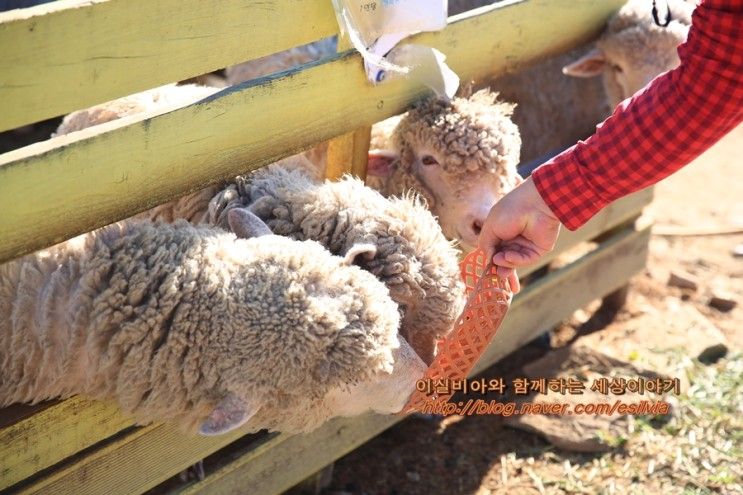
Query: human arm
{"x": 649, "y": 136}
{"x": 660, "y": 129}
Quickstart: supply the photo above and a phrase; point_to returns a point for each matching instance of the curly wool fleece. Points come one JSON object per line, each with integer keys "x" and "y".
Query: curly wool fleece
{"x": 169, "y": 320}
{"x": 474, "y": 134}
{"x": 413, "y": 258}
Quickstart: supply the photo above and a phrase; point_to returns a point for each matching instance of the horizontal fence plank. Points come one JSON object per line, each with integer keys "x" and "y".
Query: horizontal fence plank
{"x": 54, "y": 190}
{"x": 132, "y": 464}
{"x": 65, "y": 428}
{"x": 70, "y": 54}
{"x": 273, "y": 466}
{"x": 54, "y": 433}
{"x": 285, "y": 460}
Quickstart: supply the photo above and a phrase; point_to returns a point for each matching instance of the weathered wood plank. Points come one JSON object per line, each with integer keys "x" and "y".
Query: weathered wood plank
{"x": 132, "y": 464}
{"x": 88, "y": 179}
{"x": 77, "y": 53}
{"x": 284, "y": 460}
{"x": 43, "y": 439}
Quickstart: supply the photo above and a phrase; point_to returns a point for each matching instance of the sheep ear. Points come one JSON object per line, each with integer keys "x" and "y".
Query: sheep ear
{"x": 232, "y": 412}
{"x": 380, "y": 162}
{"x": 246, "y": 224}
{"x": 589, "y": 65}
{"x": 366, "y": 251}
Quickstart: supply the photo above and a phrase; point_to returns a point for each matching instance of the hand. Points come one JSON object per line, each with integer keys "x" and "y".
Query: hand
{"x": 519, "y": 230}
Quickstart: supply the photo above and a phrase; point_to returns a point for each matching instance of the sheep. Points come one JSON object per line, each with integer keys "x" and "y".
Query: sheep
{"x": 633, "y": 50}
{"x": 413, "y": 259}
{"x": 191, "y": 325}
{"x": 157, "y": 98}
{"x": 460, "y": 185}
{"x": 554, "y": 111}
{"x": 460, "y": 155}
{"x": 419, "y": 265}
{"x": 281, "y": 61}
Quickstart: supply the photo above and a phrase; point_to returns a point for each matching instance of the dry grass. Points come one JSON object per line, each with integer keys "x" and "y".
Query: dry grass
{"x": 698, "y": 450}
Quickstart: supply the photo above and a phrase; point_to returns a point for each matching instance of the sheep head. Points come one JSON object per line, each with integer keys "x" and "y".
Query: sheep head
{"x": 460, "y": 155}
{"x": 327, "y": 342}
{"x": 633, "y": 50}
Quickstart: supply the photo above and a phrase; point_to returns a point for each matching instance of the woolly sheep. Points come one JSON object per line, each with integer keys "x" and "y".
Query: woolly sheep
{"x": 471, "y": 149}
{"x": 157, "y": 98}
{"x": 188, "y": 324}
{"x": 633, "y": 50}
{"x": 460, "y": 155}
{"x": 416, "y": 262}
{"x": 281, "y": 61}
{"x": 413, "y": 259}
{"x": 552, "y": 111}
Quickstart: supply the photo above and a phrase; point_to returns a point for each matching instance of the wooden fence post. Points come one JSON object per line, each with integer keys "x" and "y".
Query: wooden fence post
{"x": 348, "y": 153}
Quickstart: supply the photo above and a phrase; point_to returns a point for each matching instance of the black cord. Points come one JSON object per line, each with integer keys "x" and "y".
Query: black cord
{"x": 655, "y": 15}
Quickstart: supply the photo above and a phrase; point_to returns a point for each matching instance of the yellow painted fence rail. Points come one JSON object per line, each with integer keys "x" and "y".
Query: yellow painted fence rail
{"x": 53, "y": 190}
{"x": 70, "y": 54}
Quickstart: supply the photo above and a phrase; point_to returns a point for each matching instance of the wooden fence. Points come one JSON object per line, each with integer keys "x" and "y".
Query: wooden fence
{"x": 70, "y": 54}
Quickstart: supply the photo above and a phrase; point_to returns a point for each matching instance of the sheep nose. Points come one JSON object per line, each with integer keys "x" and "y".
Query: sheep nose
{"x": 476, "y": 226}
{"x": 470, "y": 232}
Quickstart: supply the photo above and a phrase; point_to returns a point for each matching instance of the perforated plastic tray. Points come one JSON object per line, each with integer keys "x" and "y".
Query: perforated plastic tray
{"x": 488, "y": 300}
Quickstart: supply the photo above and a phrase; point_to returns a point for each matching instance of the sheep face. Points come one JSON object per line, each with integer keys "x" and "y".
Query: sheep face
{"x": 633, "y": 50}
{"x": 461, "y": 207}
{"x": 303, "y": 323}
{"x": 384, "y": 393}
{"x": 459, "y": 155}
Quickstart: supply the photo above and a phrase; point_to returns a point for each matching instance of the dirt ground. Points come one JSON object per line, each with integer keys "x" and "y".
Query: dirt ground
{"x": 699, "y": 451}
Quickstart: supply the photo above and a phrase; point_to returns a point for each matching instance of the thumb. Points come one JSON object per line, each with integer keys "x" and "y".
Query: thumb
{"x": 488, "y": 242}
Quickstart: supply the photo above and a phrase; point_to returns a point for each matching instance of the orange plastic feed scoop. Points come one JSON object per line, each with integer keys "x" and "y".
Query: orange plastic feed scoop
{"x": 488, "y": 299}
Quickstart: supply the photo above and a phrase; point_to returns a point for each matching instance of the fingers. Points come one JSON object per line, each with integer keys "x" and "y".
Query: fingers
{"x": 509, "y": 274}
{"x": 488, "y": 243}
{"x": 517, "y": 252}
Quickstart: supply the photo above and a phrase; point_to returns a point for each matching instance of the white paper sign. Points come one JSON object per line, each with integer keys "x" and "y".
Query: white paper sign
{"x": 375, "y": 27}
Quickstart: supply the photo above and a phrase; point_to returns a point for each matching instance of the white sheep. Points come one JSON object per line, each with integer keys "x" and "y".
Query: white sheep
{"x": 152, "y": 99}
{"x": 459, "y": 154}
{"x": 277, "y": 62}
{"x": 413, "y": 259}
{"x": 188, "y": 324}
{"x": 554, "y": 111}
{"x": 462, "y": 165}
{"x": 419, "y": 265}
{"x": 633, "y": 49}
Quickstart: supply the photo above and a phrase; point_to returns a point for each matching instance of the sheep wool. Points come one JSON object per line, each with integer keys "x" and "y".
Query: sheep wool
{"x": 188, "y": 324}
{"x": 474, "y": 133}
{"x": 413, "y": 258}
{"x": 157, "y": 98}
{"x": 634, "y": 49}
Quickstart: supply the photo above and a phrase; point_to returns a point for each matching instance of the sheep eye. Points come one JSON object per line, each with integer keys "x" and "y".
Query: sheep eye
{"x": 615, "y": 68}
{"x": 429, "y": 160}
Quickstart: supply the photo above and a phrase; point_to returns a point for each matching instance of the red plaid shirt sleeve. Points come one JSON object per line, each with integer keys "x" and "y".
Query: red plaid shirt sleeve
{"x": 665, "y": 126}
